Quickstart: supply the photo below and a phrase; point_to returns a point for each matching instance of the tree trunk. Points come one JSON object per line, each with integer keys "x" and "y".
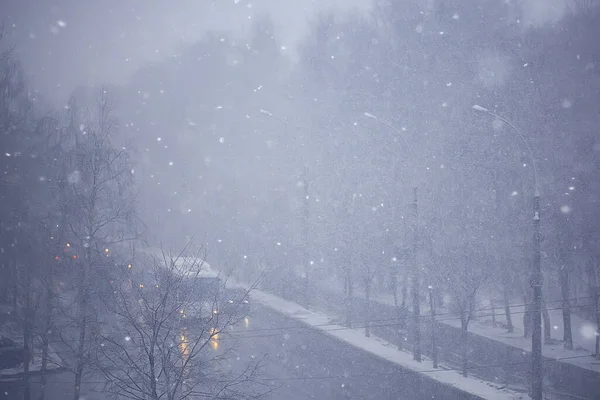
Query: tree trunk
{"x": 27, "y": 334}
{"x": 597, "y": 298}
{"x": 82, "y": 324}
{"x": 349, "y": 297}
{"x": 592, "y": 285}
{"x": 45, "y": 339}
{"x": 367, "y": 307}
{"x": 345, "y": 283}
{"x": 472, "y": 311}
{"x": 80, "y": 355}
{"x": 464, "y": 343}
{"x": 506, "y": 298}
{"x": 380, "y": 281}
{"x": 547, "y": 323}
{"x": 416, "y": 285}
{"x": 305, "y": 241}
{"x": 153, "y": 379}
{"x": 492, "y": 305}
{"x": 527, "y": 320}
{"x": 12, "y": 262}
{"x": 394, "y": 287}
{"x": 434, "y": 350}
{"x": 563, "y": 276}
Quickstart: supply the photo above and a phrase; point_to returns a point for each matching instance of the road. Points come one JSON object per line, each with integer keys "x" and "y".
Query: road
{"x": 298, "y": 363}
{"x": 302, "y": 363}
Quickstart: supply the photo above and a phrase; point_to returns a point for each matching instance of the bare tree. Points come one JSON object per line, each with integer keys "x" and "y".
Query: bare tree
{"x": 398, "y": 266}
{"x": 373, "y": 258}
{"x": 463, "y": 285}
{"x": 345, "y": 228}
{"x": 28, "y": 300}
{"x": 55, "y": 232}
{"x": 98, "y": 194}
{"x": 368, "y": 271}
{"x": 170, "y": 327}
{"x": 15, "y": 124}
{"x": 305, "y": 243}
{"x": 23, "y": 204}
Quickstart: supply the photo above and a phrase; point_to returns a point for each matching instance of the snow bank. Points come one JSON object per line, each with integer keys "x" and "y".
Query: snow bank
{"x": 584, "y": 339}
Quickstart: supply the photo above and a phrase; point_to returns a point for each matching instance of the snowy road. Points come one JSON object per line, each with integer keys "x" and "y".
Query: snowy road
{"x": 302, "y": 363}
{"x": 299, "y": 363}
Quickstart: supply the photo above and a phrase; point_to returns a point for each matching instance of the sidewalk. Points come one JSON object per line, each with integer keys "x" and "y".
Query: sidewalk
{"x": 583, "y": 331}
{"x": 570, "y": 374}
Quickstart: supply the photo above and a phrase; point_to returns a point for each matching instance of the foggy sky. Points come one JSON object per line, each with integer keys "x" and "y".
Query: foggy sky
{"x": 67, "y": 43}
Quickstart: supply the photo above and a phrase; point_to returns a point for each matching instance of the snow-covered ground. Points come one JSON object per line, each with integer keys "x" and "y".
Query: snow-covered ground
{"x": 383, "y": 349}
{"x": 12, "y": 331}
{"x": 54, "y": 364}
{"x": 583, "y": 331}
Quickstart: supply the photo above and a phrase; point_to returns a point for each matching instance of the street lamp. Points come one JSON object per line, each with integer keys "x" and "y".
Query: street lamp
{"x": 415, "y": 278}
{"x": 392, "y": 127}
{"x": 536, "y": 278}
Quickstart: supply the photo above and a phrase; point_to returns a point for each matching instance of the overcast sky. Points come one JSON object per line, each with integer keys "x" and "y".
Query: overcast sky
{"x": 65, "y": 43}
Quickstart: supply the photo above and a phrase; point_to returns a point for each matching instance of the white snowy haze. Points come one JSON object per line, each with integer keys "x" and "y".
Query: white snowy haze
{"x": 105, "y": 41}
{"x": 373, "y": 162}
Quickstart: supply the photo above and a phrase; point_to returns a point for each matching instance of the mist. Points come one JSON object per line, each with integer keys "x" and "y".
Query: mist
{"x": 390, "y": 188}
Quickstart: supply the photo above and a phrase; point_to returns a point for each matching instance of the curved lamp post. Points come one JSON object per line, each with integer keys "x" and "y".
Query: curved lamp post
{"x": 536, "y": 275}
{"x": 270, "y": 115}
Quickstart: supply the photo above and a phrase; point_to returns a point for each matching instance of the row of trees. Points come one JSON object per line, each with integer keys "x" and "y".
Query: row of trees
{"x": 71, "y": 279}
{"x": 65, "y": 202}
{"x": 374, "y": 105}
